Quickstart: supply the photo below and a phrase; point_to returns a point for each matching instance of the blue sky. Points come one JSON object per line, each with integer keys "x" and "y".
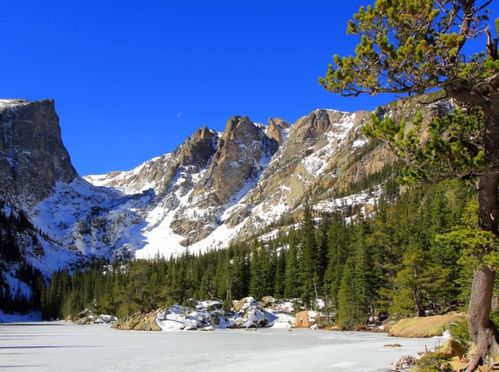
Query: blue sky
{"x": 132, "y": 79}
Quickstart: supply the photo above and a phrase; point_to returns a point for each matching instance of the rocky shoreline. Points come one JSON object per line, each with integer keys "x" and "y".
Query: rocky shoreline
{"x": 210, "y": 315}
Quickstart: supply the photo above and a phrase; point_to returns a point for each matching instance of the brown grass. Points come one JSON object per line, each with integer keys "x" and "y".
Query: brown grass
{"x": 428, "y": 326}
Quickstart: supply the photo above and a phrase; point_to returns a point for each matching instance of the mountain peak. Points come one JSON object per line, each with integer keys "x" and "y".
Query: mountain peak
{"x": 277, "y": 129}
{"x": 32, "y": 156}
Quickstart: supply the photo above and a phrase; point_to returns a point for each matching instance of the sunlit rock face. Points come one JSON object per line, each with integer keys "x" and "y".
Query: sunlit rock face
{"x": 32, "y": 155}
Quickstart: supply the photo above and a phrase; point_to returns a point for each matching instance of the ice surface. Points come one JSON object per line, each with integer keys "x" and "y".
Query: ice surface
{"x": 67, "y": 347}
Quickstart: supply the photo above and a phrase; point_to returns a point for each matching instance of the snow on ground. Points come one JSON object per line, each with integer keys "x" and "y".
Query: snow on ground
{"x": 316, "y": 163}
{"x": 128, "y": 182}
{"x": 68, "y": 215}
{"x": 363, "y": 198}
{"x": 66, "y": 347}
{"x": 359, "y": 142}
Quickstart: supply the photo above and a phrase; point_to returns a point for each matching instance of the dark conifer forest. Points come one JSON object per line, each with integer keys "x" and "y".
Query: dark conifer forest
{"x": 396, "y": 262}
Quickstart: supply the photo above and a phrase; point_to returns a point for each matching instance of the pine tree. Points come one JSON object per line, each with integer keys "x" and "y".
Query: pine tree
{"x": 338, "y": 238}
{"x": 280, "y": 276}
{"x": 349, "y": 314}
{"x": 291, "y": 275}
{"x": 410, "y": 284}
{"x": 308, "y": 257}
{"x": 323, "y": 250}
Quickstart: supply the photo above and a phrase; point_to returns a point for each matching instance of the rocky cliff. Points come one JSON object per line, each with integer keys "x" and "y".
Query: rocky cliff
{"x": 32, "y": 156}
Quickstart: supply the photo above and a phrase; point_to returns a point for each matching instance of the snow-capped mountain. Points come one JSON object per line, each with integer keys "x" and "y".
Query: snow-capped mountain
{"x": 213, "y": 189}
{"x": 244, "y": 179}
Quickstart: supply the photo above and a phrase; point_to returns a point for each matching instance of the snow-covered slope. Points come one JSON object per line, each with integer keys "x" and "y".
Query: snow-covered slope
{"x": 249, "y": 181}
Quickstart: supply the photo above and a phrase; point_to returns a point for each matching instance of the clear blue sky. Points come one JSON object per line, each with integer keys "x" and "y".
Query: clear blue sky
{"x": 132, "y": 79}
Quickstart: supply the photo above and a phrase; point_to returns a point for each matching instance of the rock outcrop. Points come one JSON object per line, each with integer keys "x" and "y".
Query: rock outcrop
{"x": 242, "y": 153}
{"x": 306, "y": 319}
{"x": 159, "y": 173}
{"x": 404, "y": 363}
{"x": 277, "y": 129}
{"x": 140, "y": 322}
{"x": 87, "y": 316}
{"x": 208, "y": 315}
{"x": 32, "y": 156}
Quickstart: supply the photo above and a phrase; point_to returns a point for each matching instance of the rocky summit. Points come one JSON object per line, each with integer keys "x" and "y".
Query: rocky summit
{"x": 32, "y": 156}
{"x": 213, "y": 189}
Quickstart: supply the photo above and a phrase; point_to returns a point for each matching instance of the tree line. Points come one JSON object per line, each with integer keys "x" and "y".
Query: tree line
{"x": 13, "y": 225}
{"x": 395, "y": 263}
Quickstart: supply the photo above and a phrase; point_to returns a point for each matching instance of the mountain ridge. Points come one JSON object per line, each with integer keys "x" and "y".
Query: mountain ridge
{"x": 215, "y": 188}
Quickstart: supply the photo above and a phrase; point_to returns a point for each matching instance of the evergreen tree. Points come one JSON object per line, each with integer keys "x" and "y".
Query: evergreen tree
{"x": 410, "y": 284}
{"x": 338, "y": 238}
{"x": 291, "y": 275}
{"x": 349, "y": 314}
{"x": 323, "y": 250}
{"x": 308, "y": 257}
{"x": 280, "y": 276}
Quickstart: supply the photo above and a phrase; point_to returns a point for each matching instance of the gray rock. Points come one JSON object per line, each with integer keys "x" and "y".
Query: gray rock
{"x": 404, "y": 363}
{"x": 32, "y": 155}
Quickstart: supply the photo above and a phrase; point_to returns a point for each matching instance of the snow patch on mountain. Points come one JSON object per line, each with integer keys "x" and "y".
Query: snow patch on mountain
{"x": 153, "y": 209}
{"x": 91, "y": 220}
{"x": 8, "y": 103}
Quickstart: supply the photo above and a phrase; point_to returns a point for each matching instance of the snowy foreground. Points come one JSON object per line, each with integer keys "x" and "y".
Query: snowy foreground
{"x": 67, "y": 347}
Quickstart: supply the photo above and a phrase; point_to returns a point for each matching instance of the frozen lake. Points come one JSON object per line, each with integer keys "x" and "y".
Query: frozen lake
{"x": 67, "y": 347}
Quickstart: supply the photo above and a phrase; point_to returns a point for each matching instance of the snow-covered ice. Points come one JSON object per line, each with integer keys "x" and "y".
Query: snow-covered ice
{"x": 67, "y": 347}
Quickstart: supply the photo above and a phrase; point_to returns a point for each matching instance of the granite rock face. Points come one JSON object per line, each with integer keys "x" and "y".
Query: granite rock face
{"x": 242, "y": 153}
{"x": 276, "y": 129}
{"x": 32, "y": 156}
{"x": 159, "y": 173}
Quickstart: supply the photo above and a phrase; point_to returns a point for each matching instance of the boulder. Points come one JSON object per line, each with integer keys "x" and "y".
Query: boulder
{"x": 305, "y": 319}
{"x": 267, "y": 301}
{"x": 105, "y": 319}
{"x": 404, "y": 362}
{"x": 204, "y": 314}
{"x": 245, "y": 303}
{"x": 87, "y": 316}
{"x": 249, "y": 314}
{"x": 285, "y": 307}
{"x": 140, "y": 322}
{"x": 452, "y": 348}
{"x": 179, "y": 317}
{"x": 283, "y": 320}
{"x": 253, "y": 318}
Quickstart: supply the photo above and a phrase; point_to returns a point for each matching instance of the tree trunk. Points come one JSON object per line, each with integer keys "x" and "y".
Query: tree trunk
{"x": 482, "y": 331}
{"x": 417, "y": 300}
